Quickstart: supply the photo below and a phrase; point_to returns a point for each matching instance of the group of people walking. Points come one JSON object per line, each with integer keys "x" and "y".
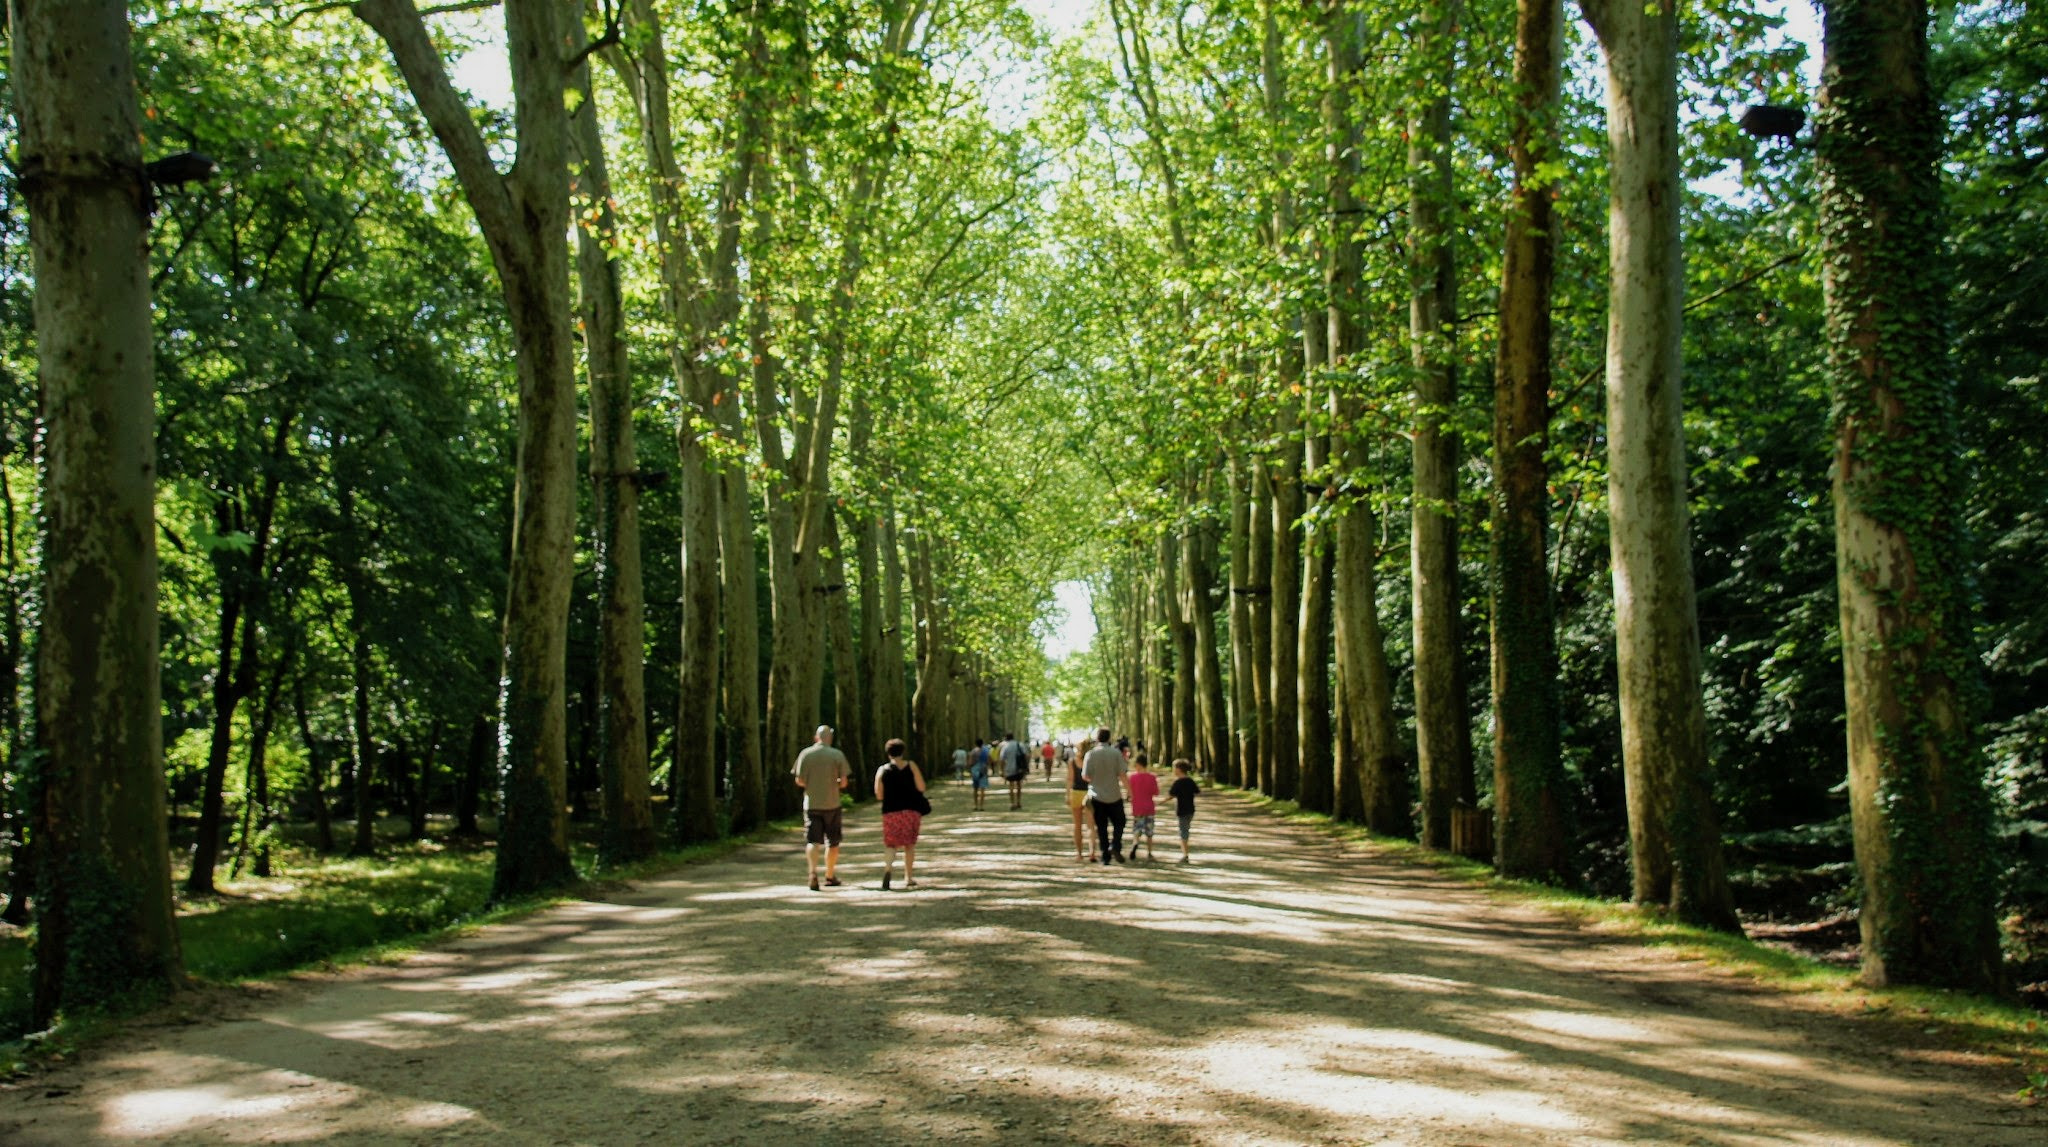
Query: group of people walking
{"x": 1098, "y": 780}
{"x": 1101, "y": 774}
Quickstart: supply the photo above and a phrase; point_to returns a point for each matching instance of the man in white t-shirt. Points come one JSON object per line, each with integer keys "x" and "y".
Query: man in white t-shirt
{"x": 1104, "y": 768}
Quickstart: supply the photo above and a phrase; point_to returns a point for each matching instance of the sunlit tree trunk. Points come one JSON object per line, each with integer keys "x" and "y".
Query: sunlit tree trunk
{"x": 1916, "y": 772}
{"x": 1528, "y": 774}
{"x": 104, "y": 925}
{"x": 1372, "y": 745}
{"x": 524, "y": 216}
{"x": 700, "y": 293}
{"x": 1674, "y": 834}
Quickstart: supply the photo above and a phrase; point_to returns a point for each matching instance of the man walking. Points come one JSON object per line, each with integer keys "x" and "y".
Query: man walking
{"x": 1104, "y": 769}
{"x": 821, "y": 771}
{"x": 1016, "y": 766}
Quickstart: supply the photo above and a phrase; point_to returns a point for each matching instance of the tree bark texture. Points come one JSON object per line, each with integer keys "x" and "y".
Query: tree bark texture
{"x": 700, "y": 293}
{"x": 104, "y": 923}
{"x": 1241, "y": 767}
{"x": 1916, "y": 773}
{"x": 1373, "y": 744}
{"x": 1312, "y": 663}
{"x": 626, "y": 829}
{"x": 1674, "y": 834}
{"x": 1530, "y": 836}
{"x": 1259, "y": 588}
{"x": 1443, "y": 729}
{"x": 524, "y": 215}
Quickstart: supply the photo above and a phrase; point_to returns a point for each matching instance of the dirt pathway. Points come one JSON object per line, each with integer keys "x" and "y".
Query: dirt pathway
{"x": 1276, "y": 991}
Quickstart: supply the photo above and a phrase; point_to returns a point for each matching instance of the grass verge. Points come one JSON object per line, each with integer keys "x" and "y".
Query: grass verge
{"x": 1980, "y": 1022}
{"x": 325, "y": 912}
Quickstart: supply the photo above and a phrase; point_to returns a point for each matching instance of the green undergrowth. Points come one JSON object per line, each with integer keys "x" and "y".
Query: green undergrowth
{"x": 324, "y": 912}
{"x": 1982, "y": 1022}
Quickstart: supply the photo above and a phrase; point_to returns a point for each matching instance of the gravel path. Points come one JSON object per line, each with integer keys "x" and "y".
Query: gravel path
{"x": 1278, "y": 990}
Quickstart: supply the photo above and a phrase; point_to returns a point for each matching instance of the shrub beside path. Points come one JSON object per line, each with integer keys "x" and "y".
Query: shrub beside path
{"x": 1280, "y": 990}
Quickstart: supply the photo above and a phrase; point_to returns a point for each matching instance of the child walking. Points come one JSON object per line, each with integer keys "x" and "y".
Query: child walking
{"x": 1144, "y": 805}
{"x": 1183, "y": 794}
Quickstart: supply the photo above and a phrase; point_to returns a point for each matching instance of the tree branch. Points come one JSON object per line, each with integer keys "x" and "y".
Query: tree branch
{"x": 401, "y": 26}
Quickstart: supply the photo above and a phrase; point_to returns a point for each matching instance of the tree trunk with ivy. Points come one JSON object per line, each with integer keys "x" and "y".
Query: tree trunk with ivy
{"x": 1674, "y": 833}
{"x": 1530, "y": 839}
{"x": 1917, "y": 798}
{"x": 104, "y": 921}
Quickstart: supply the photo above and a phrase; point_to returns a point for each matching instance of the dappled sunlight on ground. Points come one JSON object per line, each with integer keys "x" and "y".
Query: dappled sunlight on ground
{"x": 1276, "y": 991}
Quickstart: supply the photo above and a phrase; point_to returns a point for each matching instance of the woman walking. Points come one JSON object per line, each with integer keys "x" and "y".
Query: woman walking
{"x": 899, "y": 785}
{"x": 1077, "y": 803}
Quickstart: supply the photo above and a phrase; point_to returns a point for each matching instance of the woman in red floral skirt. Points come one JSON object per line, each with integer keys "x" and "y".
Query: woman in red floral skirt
{"x": 899, "y": 785}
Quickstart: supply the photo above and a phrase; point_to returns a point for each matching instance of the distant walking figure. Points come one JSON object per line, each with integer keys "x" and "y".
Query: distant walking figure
{"x": 821, "y": 771}
{"x": 1104, "y": 768}
{"x": 1048, "y": 753}
{"x": 1183, "y": 794}
{"x": 1016, "y": 766}
{"x": 978, "y": 773}
{"x": 899, "y": 785}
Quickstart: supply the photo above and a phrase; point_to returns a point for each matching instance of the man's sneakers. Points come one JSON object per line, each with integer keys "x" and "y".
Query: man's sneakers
{"x": 1119, "y": 858}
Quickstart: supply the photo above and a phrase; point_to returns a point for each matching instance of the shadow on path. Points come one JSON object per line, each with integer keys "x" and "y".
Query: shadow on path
{"x": 1276, "y": 991}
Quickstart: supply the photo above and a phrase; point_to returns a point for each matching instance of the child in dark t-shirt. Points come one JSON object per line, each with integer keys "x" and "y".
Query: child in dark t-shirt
{"x": 1183, "y": 794}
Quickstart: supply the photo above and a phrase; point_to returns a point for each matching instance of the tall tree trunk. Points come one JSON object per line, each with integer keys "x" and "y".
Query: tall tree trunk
{"x": 1283, "y": 580}
{"x": 15, "y": 818}
{"x": 849, "y": 694}
{"x": 483, "y": 733}
{"x": 523, "y": 215}
{"x": 316, "y": 769}
{"x": 241, "y": 579}
{"x": 1260, "y": 588}
{"x": 1198, "y": 586}
{"x": 742, "y": 667}
{"x": 104, "y": 924}
{"x": 362, "y": 747}
{"x": 422, "y": 784}
{"x": 1674, "y": 834}
{"x": 700, "y": 292}
{"x": 227, "y": 694}
{"x": 1916, "y": 772}
{"x": 1530, "y": 838}
{"x": 1443, "y": 730}
{"x": 1244, "y": 713}
{"x": 627, "y": 826}
{"x": 1373, "y": 746}
{"x": 1312, "y": 664}
{"x": 894, "y": 694}
{"x": 1186, "y": 685}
